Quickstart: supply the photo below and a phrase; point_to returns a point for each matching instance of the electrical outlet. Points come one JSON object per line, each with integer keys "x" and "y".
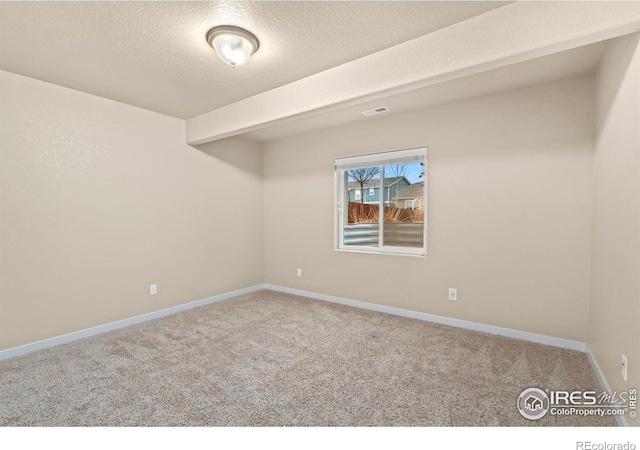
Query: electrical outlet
{"x": 453, "y": 294}
{"x": 153, "y": 289}
{"x": 299, "y": 273}
{"x": 625, "y": 363}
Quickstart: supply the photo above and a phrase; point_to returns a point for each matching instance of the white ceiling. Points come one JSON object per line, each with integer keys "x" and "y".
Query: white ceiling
{"x": 581, "y": 60}
{"x": 154, "y": 54}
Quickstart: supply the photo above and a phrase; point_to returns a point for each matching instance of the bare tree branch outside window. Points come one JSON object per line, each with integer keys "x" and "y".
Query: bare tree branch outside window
{"x": 363, "y": 176}
{"x": 395, "y": 170}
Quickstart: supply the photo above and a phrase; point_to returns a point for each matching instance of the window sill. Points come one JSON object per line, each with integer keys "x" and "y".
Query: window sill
{"x": 422, "y": 254}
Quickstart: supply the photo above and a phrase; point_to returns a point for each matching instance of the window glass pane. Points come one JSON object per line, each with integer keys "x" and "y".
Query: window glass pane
{"x": 362, "y": 221}
{"x": 403, "y": 202}
{"x": 382, "y": 201}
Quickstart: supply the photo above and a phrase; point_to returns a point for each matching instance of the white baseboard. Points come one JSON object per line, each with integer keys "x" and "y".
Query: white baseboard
{"x": 621, "y": 420}
{"x": 522, "y": 335}
{"x": 58, "y": 340}
{"x": 475, "y": 326}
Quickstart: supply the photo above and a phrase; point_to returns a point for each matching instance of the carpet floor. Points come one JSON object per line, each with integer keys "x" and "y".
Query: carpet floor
{"x": 272, "y": 359}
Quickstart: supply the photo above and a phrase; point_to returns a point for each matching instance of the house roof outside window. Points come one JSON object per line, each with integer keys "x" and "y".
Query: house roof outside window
{"x": 372, "y": 184}
{"x": 416, "y": 190}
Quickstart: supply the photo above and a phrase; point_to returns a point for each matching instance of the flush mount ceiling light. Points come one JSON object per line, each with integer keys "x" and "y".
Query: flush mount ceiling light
{"x": 233, "y": 45}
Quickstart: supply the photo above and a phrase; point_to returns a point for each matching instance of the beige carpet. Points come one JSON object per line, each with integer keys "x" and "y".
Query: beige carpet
{"x": 274, "y": 359}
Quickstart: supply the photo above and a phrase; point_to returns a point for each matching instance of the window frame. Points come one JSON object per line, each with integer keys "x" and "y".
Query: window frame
{"x": 342, "y": 167}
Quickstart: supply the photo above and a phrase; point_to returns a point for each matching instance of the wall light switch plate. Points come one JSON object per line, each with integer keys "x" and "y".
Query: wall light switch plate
{"x": 153, "y": 289}
{"x": 453, "y": 294}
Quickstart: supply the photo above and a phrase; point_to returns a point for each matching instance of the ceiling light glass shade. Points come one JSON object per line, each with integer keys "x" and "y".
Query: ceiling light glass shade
{"x": 232, "y": 44}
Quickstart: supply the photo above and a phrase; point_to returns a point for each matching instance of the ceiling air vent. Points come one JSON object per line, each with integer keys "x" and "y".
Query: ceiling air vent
{"x": 371, "y": 112}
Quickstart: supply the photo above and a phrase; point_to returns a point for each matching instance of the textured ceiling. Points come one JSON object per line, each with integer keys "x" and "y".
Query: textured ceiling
{"x": 581, "y": 60}
{"x": 154, "y": 54}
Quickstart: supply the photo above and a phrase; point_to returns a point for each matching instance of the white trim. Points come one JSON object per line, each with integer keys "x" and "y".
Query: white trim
{"x": 337, "y": 212}
{"x": 65, "y": 338}
{"x": 425, "y": 203}
{"x": 368, "y": 251}
{"x": 621, "y": 420}
{"x": 343, "y": 197}
{"x": 384, "y": 250}
{"x": 475, "y": 326}
{"x": 382, "y": 158}
{"x": 381, "y": 207}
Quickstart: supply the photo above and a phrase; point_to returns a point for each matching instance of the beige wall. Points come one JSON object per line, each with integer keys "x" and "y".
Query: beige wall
{"x": 509, "y": 210}
{"x": 615, "y": 289}
{"x": 100, "y": 199}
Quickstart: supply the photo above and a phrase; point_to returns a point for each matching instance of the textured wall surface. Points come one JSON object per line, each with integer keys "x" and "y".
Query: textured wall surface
{"x": 615, "y": 290}
{"x": 99, "y": 199}
{"x": 509, "y": 210}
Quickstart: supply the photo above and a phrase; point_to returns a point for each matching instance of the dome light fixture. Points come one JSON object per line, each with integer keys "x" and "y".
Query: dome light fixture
{"x": 234, "y": 45}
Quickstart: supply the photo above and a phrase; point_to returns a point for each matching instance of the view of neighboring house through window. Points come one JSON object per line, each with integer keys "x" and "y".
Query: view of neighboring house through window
{"x": 381, "y": 200}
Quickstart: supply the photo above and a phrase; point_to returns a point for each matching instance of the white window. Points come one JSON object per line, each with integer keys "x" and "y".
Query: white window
{"x": 381, "y": 226}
